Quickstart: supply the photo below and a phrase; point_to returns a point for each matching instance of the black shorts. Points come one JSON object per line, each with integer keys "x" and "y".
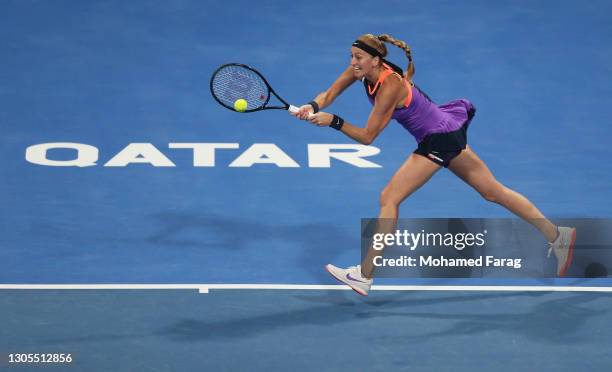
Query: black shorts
{"x": 441, "y": 148}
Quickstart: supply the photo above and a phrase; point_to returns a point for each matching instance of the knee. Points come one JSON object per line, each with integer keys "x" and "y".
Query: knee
{"x": 387, "y": 198}
{"x": 493, "y": 193}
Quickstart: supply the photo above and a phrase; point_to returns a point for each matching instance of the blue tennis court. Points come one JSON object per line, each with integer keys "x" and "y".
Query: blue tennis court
{"x": 144, "y": 227}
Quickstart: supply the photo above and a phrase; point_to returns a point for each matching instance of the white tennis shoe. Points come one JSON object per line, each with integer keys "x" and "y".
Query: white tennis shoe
{"x": 563, "y": 247}
{"x": 352, "y": 277}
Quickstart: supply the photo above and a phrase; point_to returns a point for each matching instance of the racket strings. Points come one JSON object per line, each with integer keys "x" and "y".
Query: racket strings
{"x": 235, "y": 82}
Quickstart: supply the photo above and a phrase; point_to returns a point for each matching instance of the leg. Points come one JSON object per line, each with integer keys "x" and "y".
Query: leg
{"x": 475, "y": 173}
{"x": 414, "y": 173}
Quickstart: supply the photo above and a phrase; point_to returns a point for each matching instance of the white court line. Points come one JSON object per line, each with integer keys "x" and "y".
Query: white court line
{"x": 101, "y": 286}
{"x": 498, "y": 288}
{"x": 205, "y": 288}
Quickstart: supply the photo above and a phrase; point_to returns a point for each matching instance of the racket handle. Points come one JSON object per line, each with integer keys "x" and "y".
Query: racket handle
{"x": 295, "y": 109}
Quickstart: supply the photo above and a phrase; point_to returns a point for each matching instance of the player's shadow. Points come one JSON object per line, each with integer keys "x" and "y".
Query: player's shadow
{"x": 318, "y": 243}
{"x": 554, "y": 321}
{"x": 557, "y": 320}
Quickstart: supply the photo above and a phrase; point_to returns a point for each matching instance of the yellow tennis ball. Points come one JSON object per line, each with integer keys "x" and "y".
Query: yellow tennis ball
{"x": 241, "y": 105}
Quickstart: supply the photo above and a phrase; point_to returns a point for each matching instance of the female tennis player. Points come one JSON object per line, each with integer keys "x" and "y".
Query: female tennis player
{"x": 441, "y": 134}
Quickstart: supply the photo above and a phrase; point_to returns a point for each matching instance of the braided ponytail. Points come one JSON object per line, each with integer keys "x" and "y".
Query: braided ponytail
{"x": 402, "y": 45}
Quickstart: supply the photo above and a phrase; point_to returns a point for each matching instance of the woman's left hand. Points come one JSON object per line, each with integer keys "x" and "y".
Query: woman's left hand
{"x": 321, "y": 119}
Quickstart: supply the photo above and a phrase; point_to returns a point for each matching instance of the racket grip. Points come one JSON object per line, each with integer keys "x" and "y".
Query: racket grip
{"x": 295, "y": 109}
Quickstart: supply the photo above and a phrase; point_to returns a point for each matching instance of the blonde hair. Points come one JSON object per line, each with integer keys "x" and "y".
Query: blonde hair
{"x": 378, "y": 43}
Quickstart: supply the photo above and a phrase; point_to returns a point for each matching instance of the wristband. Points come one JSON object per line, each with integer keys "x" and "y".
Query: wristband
{"x": 337, "y": 122}
{"x": 315, "y": 106}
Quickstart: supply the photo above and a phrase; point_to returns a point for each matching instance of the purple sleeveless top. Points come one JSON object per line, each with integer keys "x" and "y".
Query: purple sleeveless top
{"x": 423, "y": 117}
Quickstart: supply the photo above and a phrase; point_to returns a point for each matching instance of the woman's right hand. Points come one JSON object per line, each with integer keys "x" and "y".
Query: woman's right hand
{"x": 304, "y": 113}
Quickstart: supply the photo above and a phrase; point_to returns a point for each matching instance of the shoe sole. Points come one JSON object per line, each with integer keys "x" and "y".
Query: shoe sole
{"x": 570, "y": 255}
{"x": 360, "y": 291}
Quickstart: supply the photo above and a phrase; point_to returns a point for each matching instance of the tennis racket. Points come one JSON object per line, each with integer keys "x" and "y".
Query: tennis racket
{"x": 234, "y": 81}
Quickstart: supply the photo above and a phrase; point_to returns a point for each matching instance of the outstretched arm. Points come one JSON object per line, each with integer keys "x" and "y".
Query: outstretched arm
{"x": 325, "y": 99}
{"x": 380, "y": 116}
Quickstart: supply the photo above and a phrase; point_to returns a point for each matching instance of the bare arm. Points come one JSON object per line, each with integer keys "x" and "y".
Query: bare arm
{"x": 386, "y": 101}
{"x": 325, "y": 98}
{"x": 345, "y": 80}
